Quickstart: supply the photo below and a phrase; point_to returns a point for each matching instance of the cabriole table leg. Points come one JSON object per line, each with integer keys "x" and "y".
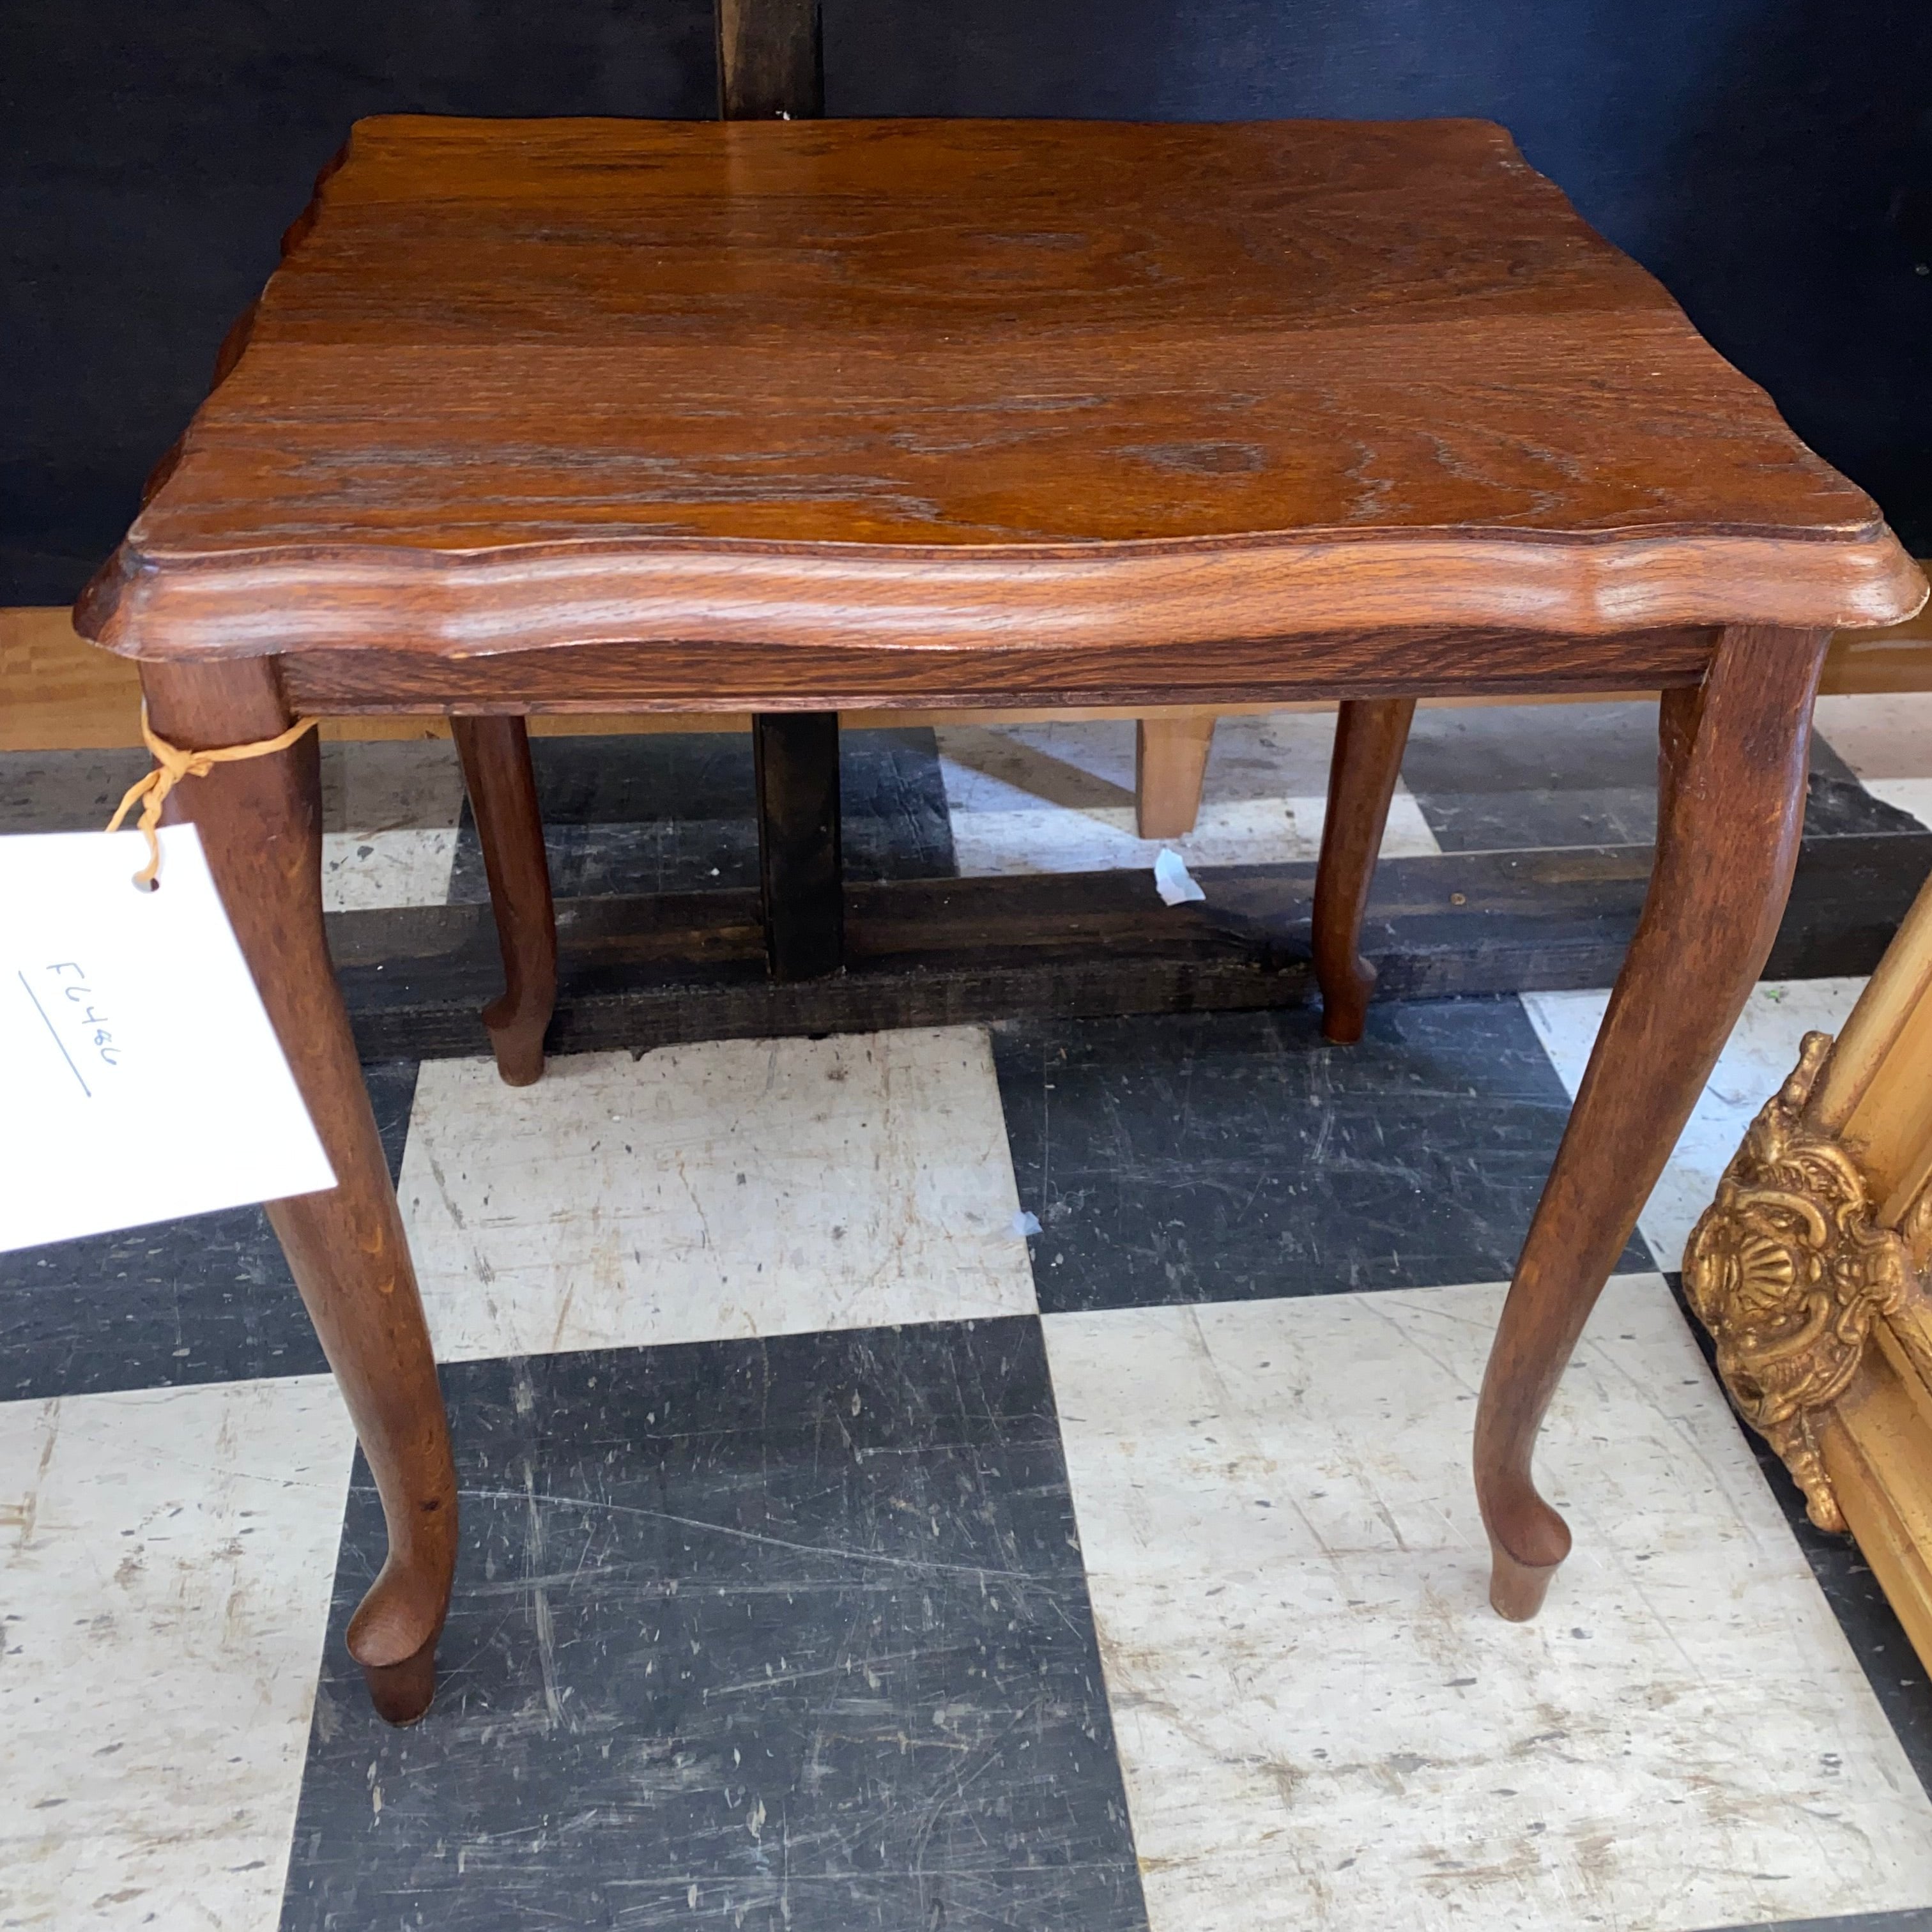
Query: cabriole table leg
{"x": 503, "y": 787}
{"x": 1731, "y": 805}
{"x": 260, "y": 821}
{"x": 1370, "y": 736}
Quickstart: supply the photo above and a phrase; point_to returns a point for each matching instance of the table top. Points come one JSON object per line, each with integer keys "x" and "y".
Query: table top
{"x": 534, "y": 382}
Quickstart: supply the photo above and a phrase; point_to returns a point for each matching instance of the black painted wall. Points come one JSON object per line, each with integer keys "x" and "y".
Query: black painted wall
{"x": 1771, "y": 160}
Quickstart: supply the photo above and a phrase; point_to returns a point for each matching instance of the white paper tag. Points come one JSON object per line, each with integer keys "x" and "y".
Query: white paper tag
{"x": 139, "y": 1078}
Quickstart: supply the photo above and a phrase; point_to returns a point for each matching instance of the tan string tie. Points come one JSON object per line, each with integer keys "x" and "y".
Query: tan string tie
{"x": 171, "y": 764}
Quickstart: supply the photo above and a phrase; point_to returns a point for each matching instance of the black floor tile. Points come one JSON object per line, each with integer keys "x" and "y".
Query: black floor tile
{"x": 208, "y": 1299}
{"x": 895, "y": 824}
{"x": 1914, "y": 1918}
{"x": 1847, "y": 900}
{"x": 1517, "y": 777}
{"x": 1877, "y": 1638}
{"x": 790, "y": 1636}
{"x": 1214, "y": 1157}
{"x": 1837, "y": 806}
{"x": 674, "y": 811}
{"x": 1502, "y": 778}
{"x": 64, "y": 791}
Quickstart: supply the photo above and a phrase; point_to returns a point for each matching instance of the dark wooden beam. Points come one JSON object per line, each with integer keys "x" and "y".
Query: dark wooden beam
{"x": 646, "y": 972}
{"x": 771, "y": 64}
{"x": 801, "y": 869}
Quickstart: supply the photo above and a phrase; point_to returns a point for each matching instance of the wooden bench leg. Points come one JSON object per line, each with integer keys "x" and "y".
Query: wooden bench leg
{"x": 1170, "y": 761}
{"x": 496, "y": 755}
{"x": 1370, "y": 736}
{"x": 260, "y": 822}
{"x": 801, "y": 869}
{"x": 1731, "y": 806}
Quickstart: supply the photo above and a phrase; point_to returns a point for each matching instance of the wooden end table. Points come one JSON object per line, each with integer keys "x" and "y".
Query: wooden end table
{"x": 598, "y": 415}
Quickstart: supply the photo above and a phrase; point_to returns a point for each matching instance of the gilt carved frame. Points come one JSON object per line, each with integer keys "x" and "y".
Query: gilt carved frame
{"x": 1812, "y": 1270}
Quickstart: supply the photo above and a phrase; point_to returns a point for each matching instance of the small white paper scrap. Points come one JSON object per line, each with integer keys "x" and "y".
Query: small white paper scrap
{"x": 141, "y": 1078}
{"x": 1172, "y": 879}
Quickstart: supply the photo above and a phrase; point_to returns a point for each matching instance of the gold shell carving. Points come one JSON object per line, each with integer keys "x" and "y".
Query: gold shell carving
{"x": 1788, "y": 1272}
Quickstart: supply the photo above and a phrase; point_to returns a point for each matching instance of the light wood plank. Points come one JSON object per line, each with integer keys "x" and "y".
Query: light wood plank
{"x": 1170, "y": 762}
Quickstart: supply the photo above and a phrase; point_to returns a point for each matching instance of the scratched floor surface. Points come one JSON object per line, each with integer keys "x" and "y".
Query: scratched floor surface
{"x": 674, "y": 812}
{"x": 840, "y": 1552}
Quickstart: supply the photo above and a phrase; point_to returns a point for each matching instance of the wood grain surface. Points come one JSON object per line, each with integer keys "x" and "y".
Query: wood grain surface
{"x": 1037, "y": 385}
{"x": 62, "y": 694}
{"x": 691, "y": 678}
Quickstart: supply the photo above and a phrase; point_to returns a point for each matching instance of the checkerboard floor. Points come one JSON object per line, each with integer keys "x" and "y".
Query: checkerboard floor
{"x": 836, "y": 1555}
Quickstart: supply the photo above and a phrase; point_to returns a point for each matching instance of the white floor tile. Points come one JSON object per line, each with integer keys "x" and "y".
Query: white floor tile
{"x": 1912, "y": 795}
{"x": 1762, "y": 1051}
{"x": 408, "y": 866}
{"x": 1323, "y": 1725}
{"x": 1887, "y": 736}
{"x": 1237, "y": 832}
{"x": 1887, "y": 741}
{"x": 1059, "y": 798}
{"x": 738, "y": 1188}
{"x": 390, "y": 811}
{"x": 167, "y": 1558}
